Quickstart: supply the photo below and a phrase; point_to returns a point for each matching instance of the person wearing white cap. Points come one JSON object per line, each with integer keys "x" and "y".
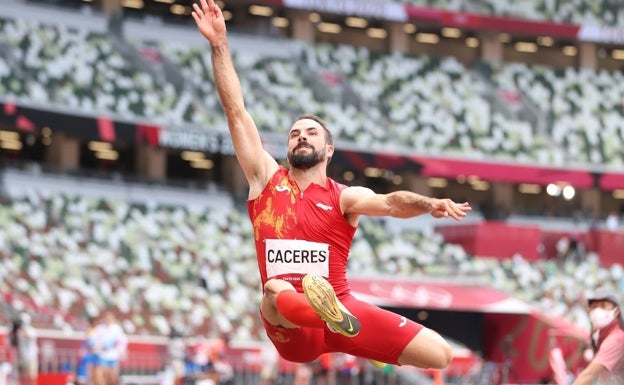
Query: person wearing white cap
{"x": 607, "y": 365}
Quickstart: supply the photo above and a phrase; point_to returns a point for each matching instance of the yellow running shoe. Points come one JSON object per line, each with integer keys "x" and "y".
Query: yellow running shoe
{"x": 322, "y": 298}
{"x": 378, "y": 364}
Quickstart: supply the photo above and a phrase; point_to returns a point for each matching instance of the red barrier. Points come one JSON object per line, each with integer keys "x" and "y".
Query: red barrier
{"x": 54, "y": 378}
{"x": 495, "y": 239}
{"x": 608, "y": 244}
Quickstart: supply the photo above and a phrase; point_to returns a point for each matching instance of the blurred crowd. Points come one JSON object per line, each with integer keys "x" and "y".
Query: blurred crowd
{"x": 427, "y": 105}
{"x": 178, "y": 268}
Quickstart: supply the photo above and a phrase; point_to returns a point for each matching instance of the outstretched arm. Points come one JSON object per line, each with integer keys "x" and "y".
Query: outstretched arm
{"x": 256, "y": 163}
{"x": 589, "y": 374}
{"x": 356, "y": 201}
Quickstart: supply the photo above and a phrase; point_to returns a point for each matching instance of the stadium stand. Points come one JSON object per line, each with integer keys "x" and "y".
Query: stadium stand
{"x": 421, "y": 104}
{"x": 579, "y": 11}
{"x": 78, "y": 252}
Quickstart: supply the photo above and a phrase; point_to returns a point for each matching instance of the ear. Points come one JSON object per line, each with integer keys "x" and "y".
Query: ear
{"x": 329, "y": 153}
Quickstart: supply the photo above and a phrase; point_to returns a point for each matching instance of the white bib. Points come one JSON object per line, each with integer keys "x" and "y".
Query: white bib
{"x": 292, "y": 256}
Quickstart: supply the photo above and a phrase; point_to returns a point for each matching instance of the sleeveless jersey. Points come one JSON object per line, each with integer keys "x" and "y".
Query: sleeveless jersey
{"x": 299, "y": 232}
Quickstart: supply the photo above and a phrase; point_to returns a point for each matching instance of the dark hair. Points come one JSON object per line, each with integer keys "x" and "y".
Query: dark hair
{"x": 329, "y": 138}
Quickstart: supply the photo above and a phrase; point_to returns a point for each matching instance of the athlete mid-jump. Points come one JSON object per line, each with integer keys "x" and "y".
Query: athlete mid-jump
{"x": 304, "y": 223}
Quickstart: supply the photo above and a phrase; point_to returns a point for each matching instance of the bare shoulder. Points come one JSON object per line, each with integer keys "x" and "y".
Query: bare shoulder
{"x": 258, "y": 181}
{"x": 351, "y": 195}
{"x": 356, "y": 192}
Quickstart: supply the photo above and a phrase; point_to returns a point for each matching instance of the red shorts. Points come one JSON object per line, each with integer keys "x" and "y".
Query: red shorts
{"x": 383, "y": 336}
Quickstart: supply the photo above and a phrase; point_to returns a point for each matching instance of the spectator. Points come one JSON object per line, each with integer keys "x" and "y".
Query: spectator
{"x": 177, "y": 353}
{"x": 110, "y": 342}
{"x": 88, "y": 358}
{"x": 607, "y": 365}
{"x": 16, "y": 324}
{"x": 325, "y": 375}
{"x": 613, "y": 221}
{"x": 223, "y": 369}
{"x": 28, "y": 352}
{"x": 5, "y": 373}
{"x": 563, "y": 249}
{"x": 269, "y": 360}
{"x": 303, "y": 374}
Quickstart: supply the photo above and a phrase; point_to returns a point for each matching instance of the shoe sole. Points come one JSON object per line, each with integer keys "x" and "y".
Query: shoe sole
{"x": 322, "y": 298}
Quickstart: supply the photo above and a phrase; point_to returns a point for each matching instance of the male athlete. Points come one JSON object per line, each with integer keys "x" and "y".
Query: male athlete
{"x": 304, "y": 224}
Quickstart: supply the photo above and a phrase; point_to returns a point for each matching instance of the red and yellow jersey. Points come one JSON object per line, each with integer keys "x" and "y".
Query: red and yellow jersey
{"x": 299, "y": 232}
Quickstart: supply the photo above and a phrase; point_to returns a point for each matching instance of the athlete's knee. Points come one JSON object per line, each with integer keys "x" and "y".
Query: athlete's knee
{"x": 441, "y": 356}
{"x": 268, "y": 305}
{"x": 427, "y": 350}
{"x": 274, "y": 286}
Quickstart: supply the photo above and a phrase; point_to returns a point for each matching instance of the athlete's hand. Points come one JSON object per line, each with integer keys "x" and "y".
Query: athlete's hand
{"x": 443, "y": 208}
{"x": 210, "y": 21}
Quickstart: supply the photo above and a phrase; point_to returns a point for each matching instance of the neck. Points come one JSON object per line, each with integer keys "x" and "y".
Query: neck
{"x": 308, "y": 176}
{"x": 604, "y": 332}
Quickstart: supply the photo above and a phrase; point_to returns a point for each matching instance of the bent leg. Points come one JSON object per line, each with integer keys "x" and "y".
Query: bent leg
{"x": 427, "y": 350}
{"x": 283, "y": 306}
{"x": 268, "y": 305}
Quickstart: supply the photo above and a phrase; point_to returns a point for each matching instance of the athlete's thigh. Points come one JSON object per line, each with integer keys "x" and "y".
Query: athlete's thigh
{"x": 383, "y": 335}
{"x": 298, "y": 344}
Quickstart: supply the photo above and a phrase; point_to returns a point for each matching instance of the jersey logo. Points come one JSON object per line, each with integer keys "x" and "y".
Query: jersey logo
{"x": 403, "y": 322}
{"x": 324, "y": 207}
{"x": 279, "y": 188}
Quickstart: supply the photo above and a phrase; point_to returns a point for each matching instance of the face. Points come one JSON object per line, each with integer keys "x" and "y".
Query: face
{"x": 109, "y": 318}
{"x": 307, "y": 144}
{"x": 602, "y": 313}
{"x": 602, "y": 304}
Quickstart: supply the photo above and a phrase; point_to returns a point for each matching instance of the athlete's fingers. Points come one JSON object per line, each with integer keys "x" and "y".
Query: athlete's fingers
{"x": 459, "y": 208}
{"x": 455, "y": 211}
{"x": 465, "y": 208}
{"x": 197, "y": 13}
{"x": 452, "y": 213}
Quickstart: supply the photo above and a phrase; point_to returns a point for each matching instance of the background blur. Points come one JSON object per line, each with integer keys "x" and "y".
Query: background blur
{"x": 119, "y": 188}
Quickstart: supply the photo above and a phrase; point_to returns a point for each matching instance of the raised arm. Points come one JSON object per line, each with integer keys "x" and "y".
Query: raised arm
{"x": 355, "y": 201}
{"x": 256, "y": 163}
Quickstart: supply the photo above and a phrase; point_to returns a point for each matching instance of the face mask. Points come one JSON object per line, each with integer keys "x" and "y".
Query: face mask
{"x": 601, "y": 317}
{"x": 588, "y": 354}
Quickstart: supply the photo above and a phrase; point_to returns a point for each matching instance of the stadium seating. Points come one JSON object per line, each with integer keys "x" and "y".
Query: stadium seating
{"x": 583, "y": 105}
{"x": 55, "y": 65}
{"x": 160, "y": 265}
{"x": 385, "y": 101}
{"x": 603, "y": 12}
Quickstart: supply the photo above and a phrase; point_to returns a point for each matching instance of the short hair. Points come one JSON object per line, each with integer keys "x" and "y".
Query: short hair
{"x": 329, "y": 138}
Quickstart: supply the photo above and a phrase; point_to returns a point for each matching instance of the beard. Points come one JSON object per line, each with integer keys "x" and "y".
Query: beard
{"x": 305, "y": 161}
